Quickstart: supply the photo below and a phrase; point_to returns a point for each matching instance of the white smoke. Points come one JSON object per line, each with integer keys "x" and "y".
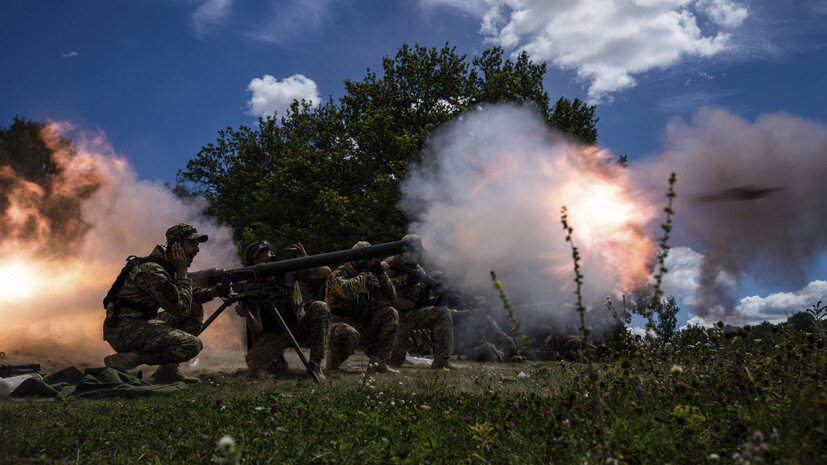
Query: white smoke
{"x": 488, "y": 197}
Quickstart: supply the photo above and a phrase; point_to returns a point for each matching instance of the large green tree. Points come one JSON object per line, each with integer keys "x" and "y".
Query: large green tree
{"x": 329, "y": 175}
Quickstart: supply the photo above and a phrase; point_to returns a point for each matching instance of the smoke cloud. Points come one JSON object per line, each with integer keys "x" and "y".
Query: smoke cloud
{"x": 52, "y": 289}
{"x": 489, "y": 196}
{"x": 751, "y": 194}
{"x": 750, "y": 200}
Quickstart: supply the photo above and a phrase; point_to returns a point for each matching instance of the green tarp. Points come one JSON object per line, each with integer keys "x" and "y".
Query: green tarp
{"x": 93, "y": 383}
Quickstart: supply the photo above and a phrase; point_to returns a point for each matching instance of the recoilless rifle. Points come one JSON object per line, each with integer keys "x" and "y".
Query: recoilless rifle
{"x": 268, "y": 286}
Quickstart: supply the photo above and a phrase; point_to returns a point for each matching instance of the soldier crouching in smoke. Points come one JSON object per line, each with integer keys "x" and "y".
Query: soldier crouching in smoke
{"x": 409, "y": 279}
{"x": 134, "y": 327}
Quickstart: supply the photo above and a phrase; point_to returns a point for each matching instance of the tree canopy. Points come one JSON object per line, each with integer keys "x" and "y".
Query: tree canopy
{"x": 329, "y": 175}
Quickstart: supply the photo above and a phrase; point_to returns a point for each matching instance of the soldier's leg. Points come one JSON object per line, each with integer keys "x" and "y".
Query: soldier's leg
{"x": 439, "y": 319}
{"x": 485, "y": 353}
{"x": 261, "y": 355}
{"x": 190, "y": 323}
{"x": 156, "y": 341}
{"x": 312, "y": 330}
{"x": 381, "y": 332}
{"x": 407, "y": 322}
{"x": 343, "y": 341}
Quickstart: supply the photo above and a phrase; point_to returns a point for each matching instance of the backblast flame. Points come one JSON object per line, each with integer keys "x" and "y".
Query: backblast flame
{"x": 63, "y": 240}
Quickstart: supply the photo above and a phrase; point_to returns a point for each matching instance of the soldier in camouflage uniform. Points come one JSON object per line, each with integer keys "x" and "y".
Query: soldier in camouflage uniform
{"x": 311, "y": 328}
{"x": 480, "y": 338}
{"x": 414, "y": 314}
{"x": 134, "y": 327}
{"x": 360, "y": 295}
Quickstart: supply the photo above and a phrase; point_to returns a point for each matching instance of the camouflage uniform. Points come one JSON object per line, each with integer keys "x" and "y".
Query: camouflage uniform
{"x": 377, "y": 331}
{"x": 481, "y": 339}
{"x": 311, "y": 330}
{"x": 411, "y": 293}
{"x": 160, "y": 338}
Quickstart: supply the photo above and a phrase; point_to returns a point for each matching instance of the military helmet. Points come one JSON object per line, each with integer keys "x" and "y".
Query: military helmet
{"x": 361, "y": 244}
{"x": 182, "y": 231}
{"x": 253, "y": 250}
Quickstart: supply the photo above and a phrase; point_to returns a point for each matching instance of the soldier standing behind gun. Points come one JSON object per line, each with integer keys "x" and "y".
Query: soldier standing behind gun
{"x": 407, "y": 277}
{"x": 312, "y": 324}
{"x": 133, "y": 326}
{"x": 359, "y": 295}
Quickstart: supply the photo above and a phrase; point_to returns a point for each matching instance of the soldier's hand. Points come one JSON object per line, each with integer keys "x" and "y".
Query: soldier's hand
{"x": 179, "y": 260}
{"x": 242, "y": 309}
{"x": 376, "y": 267}
{"x": 298, "y": 248}
{"x": 214, "y": 291}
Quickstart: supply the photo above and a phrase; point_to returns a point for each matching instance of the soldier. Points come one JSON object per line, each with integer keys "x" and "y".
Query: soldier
{"x": 412, "y": 293}
{"x": 480, "y": 338}
{"x": 134, "y": 327}
{"x": 311, "y": 328}
{"x": 359, "y": 295}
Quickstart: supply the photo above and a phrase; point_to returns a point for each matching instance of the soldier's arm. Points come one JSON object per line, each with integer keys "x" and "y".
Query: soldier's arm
{"x": 386, "y": 287}
{"x": 345, "y": 288}
{"x": 172, "y": 293}
{"x": 200, "y": 294}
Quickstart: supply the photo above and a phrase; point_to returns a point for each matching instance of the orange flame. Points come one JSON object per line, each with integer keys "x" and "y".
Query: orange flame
{"x": 53, "y": 272}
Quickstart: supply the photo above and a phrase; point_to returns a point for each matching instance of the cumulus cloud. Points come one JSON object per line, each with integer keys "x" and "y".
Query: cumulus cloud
{"x": 683, "y": 279}
{"x": 607, "y": 41}
{"x": 210, "y": 14}
{"x": 273, "y": 96}
{"x": 777, "y": 307}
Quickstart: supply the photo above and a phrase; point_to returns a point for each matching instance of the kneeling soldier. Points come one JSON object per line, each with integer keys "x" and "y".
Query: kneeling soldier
{"x": 407, "y": 276}
{"x": 134, "y": 327}
{"x": 311, "y": 326}
{"x": 359, "y": 295}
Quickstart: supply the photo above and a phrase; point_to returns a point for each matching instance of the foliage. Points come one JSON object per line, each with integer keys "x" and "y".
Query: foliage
{"x": 679, "y": 403}
{"x": 329, "y": 175}
{"x": 516, "y": 325}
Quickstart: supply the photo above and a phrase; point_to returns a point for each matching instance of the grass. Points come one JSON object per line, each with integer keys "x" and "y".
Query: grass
{"x": 731, "y": 398}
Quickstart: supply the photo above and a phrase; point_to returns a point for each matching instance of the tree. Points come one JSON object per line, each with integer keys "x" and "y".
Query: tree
{"x": 667, "y": 319}
{"x": 329, "y": 175}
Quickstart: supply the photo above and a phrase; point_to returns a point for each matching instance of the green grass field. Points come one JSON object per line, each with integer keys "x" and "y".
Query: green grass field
{"x": 727, "y": 400}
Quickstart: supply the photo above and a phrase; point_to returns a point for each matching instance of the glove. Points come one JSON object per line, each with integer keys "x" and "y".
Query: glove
{"x": 377, "y": 268}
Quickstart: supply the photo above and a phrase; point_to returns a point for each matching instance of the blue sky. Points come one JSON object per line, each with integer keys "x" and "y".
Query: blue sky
{"x": 162, "y": 77}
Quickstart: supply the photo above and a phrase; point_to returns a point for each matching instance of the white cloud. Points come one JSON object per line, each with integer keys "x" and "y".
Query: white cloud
{"x": 70, "y": 54}
{"x": 273, "y": 96}
{"x": 606, "y": 41}
{"x": 209, "y": 14}
{"x": 776, "y": 307}
{"x": 683, "y": 278}
{"x": 291, "y": 19}
{"x": 724, "y": 12}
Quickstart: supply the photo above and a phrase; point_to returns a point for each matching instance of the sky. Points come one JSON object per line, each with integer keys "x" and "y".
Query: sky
{"x": 161, "y": 77}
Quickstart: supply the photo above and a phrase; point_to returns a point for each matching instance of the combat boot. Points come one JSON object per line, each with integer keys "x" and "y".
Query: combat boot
{"x": 377, "y": 365}
{"x": 441, "y": 363}
{"x": 169, "y": 373}
{"x": 123, "y": 360}
{"x": 333, "y": 364}
{"x": 318, "y": 370}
